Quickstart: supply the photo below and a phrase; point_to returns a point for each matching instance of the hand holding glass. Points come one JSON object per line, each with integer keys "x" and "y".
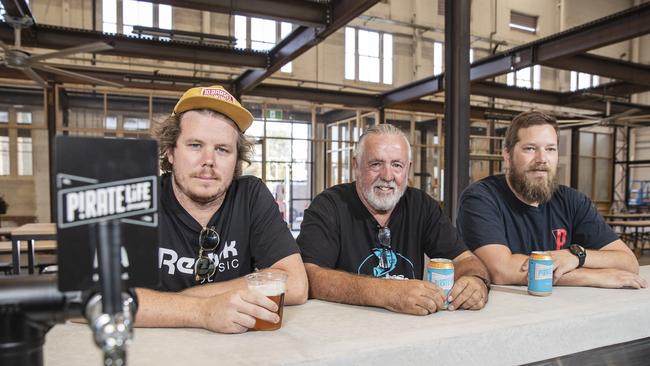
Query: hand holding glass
{"x": 273, "y": 286}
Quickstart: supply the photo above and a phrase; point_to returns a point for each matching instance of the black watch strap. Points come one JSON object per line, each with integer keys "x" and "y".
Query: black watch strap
{"x": 579, "y": 252}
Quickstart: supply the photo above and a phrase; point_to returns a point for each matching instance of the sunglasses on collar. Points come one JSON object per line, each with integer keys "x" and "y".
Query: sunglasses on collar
{"x": 204, "y": 266}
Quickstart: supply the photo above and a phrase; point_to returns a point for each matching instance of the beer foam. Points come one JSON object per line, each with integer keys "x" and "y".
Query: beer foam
{"x": 273, "y": 288}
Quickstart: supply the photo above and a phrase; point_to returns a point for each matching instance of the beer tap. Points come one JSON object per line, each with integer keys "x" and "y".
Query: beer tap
{"x": 31, "y": 305}
{"x": 110, "y": 313}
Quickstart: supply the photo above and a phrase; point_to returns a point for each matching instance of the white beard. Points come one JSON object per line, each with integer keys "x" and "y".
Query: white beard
{"x": 383, "y": 202}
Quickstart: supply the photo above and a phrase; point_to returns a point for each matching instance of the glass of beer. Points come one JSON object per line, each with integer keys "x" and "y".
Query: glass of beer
{"x": 272, "y": 285}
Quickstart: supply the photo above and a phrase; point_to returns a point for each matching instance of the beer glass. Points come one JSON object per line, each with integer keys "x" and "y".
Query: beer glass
{"x": 273, "y": 286}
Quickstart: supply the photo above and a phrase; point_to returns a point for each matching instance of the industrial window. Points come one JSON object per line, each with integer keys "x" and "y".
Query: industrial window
{"x": 368, "y": 56}
{"x": 24, "y": 149}
{"x": 283, "y": 160}
{"x": 16, "y": 142}
{"x": 528, "y": 77}
{"x": 134, "y": 13}
{"x": 5, "y": 168}
{"x": 581, "y": 80}
{"x": 523, "y": 22}
{"x": 136, "y": 123}
{"x": 595, "y": 168}
{"x": 439, "y": 57}
{"x": 24, "y": 118}
{"x": 264, "y": 34}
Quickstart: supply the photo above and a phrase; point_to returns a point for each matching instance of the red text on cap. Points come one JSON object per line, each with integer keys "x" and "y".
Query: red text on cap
{"x": 217, "y": 93}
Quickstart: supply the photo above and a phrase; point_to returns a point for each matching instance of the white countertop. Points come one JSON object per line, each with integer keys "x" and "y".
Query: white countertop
{"x": 571, "y": 320}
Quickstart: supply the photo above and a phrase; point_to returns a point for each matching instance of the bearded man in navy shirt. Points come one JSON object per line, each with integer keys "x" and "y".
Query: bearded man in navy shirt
{"x": 503, "y": 218}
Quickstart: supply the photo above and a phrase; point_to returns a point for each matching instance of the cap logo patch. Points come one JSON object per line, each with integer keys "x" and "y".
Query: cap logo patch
{"x": 218, "y": 94}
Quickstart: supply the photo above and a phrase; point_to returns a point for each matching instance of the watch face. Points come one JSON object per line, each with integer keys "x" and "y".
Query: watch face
{"x": 577, "y": 250}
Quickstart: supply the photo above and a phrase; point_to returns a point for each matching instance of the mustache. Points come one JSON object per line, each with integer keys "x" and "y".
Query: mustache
{"x": 205, "y": 173}
{"x": 384, "y": 184}
{"x": 540, "y": 168}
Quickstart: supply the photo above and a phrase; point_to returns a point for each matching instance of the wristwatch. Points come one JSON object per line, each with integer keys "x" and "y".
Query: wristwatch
{"x": 579, "y": 252}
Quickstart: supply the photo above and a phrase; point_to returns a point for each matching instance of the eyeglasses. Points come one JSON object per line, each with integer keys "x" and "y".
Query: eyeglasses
{"x": 204, "y": 266}
{"x": 384, "y": 240}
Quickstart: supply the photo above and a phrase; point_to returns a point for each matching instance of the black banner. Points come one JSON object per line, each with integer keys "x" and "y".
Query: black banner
{"x": 104, "y": 179}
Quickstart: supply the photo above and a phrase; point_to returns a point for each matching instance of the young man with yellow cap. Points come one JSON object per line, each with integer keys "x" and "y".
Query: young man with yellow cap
{"x": 215, "y": 224}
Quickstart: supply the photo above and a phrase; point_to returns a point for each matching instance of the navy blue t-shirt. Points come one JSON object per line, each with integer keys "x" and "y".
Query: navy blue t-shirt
{"x": 490, "y": 213}
{"x": 338, "y": 232}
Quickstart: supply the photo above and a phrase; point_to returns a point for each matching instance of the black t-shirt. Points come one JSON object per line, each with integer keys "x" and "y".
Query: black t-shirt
{"x": 338, "y": 232}
{"x": 249, "y": 225}
{"x": 490, "y": 213}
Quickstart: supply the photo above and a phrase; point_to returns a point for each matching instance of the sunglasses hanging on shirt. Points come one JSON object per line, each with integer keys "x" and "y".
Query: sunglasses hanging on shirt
{"x": 204, "y": 266}
{"x": 384, "y": 240}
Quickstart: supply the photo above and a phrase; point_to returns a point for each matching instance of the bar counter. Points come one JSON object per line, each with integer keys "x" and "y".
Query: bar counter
{"x": 514, "y": 328}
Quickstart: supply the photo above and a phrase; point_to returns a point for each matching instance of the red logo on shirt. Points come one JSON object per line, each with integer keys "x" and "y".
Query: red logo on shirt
{"x": 560, "y": 238}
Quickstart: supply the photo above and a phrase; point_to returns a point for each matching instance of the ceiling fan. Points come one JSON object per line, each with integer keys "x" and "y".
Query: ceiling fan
{"x": 17, "y": 58}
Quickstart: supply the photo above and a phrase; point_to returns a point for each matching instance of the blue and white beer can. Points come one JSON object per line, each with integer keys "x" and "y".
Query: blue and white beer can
{"x": 440, "y": 272}
{"x": 540, "y": 274}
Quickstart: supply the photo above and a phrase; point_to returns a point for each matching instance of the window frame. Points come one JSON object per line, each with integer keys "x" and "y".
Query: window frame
{"x": 383, "y": 59}
{"x": 281, "y": 32}
{"x": 119, "y": 25}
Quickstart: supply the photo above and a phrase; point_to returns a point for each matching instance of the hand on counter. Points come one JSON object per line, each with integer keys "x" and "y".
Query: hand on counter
{"x": 469, "y": 293}
{"x": 414, "y": 297}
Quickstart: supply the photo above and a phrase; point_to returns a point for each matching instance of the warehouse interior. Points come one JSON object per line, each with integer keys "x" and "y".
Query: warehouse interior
{"x": 315, "y": 73}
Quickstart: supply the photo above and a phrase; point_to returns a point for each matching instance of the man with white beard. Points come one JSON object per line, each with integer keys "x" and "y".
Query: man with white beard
{"x": 503, "y": 218}
{"x": 363, "y": 243}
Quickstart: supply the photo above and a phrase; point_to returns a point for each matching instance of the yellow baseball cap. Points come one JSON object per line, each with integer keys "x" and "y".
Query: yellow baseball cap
{"x": 218, "y": 99}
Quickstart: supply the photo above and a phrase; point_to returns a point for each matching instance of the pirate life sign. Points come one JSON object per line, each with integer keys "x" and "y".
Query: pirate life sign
{"x": 106, "y": 179}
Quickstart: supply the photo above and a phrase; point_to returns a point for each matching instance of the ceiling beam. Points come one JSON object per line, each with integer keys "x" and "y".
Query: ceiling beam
{"x": 17, "y": 9}
{"x": 604, "y": 66}
{"x": 624, "y": 25}
{"x": 617, "y": 89}
{"x": 591, "y": 99}
{"x": 349, "y": 99}
{"x": 300, "y": 40}
{"x": 630, "y": 23}
{"x": 54, "y": 37}
{"x": 499, "y": 90}
{"x": 301, "y": 12}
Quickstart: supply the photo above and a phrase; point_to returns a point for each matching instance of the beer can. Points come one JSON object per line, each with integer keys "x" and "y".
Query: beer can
{"x": 540, "y": 274}
{"x": 440, "y": 271}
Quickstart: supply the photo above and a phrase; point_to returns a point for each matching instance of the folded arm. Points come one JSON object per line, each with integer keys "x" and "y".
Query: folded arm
{"x": 405, "y": 296}
{"x": 613, "y": 266}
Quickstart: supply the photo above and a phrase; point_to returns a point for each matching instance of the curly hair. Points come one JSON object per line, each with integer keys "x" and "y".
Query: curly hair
{"x": 167, "y": 132}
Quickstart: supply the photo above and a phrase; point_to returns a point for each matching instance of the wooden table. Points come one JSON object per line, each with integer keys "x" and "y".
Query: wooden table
{"x": 514, "y": 328}
{"x": 30, "y": 233}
